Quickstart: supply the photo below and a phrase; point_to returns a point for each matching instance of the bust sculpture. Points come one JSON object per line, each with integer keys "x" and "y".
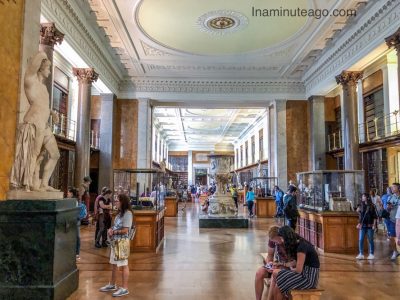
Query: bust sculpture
{"x": 35, "y": 140}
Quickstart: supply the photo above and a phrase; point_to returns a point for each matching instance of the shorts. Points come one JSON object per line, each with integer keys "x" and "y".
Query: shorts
{"x": 119, "y": 263}
{"x": 391, "y": 228}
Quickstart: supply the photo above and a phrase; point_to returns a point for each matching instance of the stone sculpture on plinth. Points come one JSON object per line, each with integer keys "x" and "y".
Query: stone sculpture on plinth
{"x": 35, "y": 140}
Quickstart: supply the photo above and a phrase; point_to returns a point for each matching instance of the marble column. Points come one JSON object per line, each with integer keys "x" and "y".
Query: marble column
{"x": 318, "y": 137}
{"x": 393, "y": 41}
{"x": 277, "y": 140}
{"x": 86, "y": 76}
{"x": 348, "y": 103}
{"x": 106, "y": 140}
{"x": 190, "y": 168}
{"x": 49, "y": 36}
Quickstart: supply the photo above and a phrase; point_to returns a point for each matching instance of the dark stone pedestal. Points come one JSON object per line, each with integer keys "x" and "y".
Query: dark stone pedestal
{"x": 206, "y": 221}
{"x": 37, "y": 249}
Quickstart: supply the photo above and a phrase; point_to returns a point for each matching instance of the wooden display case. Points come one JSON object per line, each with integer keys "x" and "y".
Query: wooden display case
{"x": 265, "y": 207}
{"x": 333, "y": 232}
{"x": 149, "y": 230}
{"x": 171, "y": 206}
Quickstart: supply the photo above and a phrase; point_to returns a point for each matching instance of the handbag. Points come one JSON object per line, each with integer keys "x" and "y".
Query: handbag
{"x": 121, "y": 248}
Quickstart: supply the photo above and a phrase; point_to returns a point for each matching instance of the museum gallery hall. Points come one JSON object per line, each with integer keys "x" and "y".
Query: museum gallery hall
{"x": 186, "y": 149}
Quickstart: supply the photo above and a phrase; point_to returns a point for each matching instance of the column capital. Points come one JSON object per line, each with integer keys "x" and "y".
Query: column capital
{"x": 349, "y": 77}
{"x": 393, "y": 41}
{"x": 50, "y": 35}
{"x": 85, "y": 75}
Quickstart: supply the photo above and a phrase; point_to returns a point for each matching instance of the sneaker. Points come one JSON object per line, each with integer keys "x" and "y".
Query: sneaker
{"x": 394, "y": 255}
{"x": 360, "y": 256}
{"x": 108, "y": 287}
{"x": 121, "y": 292}
{"x": 371, "y": 256}
{"x": 104, "y": 245}
{"x": 97, "y": 245}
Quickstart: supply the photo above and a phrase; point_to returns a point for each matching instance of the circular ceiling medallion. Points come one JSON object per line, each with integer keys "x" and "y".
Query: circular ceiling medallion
{"x": 222, "y": 22}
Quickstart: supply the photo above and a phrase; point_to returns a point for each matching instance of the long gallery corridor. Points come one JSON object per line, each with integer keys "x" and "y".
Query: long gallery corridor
{"x": 220, "y": 264}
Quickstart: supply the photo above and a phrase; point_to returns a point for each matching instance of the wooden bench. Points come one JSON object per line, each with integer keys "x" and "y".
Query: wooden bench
{"x": 313, "y": 294}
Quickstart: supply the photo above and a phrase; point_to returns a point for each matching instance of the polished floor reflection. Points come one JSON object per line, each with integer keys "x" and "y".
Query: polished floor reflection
{"x": 220, "y": 264}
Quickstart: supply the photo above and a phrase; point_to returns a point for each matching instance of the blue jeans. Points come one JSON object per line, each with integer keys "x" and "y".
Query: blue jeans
{"x": 279, "y": 209}
{"x": 250, "y": 207}
{"x": 370, "y": 235}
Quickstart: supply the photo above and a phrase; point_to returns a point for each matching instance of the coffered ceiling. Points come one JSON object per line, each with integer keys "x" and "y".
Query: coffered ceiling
{"x": 182, "y": 40}
{"x": 203, "y": 128}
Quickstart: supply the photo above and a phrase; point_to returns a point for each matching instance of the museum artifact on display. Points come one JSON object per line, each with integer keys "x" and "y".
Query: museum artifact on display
{"x": 36, "y": 144}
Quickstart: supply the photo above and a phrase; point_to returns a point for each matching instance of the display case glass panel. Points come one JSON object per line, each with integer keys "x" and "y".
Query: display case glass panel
{"x": 147, "y": 188}
{"x": 334, "y": 190}
{"x": 264, "y": 186}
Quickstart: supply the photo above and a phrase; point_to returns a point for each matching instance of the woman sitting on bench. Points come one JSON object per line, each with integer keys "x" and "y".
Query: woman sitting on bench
{"x": 306, "y": 273}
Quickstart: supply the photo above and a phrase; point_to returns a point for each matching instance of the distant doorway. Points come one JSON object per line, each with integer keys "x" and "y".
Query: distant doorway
{"x": 200, "y": 176}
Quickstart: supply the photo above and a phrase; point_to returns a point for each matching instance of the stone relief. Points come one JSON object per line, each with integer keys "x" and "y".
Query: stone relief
{"x": 36, "y": 145}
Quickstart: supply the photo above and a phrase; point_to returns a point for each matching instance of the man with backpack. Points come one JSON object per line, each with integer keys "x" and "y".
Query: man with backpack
{"x": 290, "y": 207}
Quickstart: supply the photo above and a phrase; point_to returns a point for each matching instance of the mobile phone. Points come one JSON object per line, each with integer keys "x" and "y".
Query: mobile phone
{"x": 268, "y": 266}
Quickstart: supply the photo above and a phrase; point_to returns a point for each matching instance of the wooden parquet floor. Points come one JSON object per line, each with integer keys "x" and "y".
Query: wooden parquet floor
{"x": 220, "y": 264}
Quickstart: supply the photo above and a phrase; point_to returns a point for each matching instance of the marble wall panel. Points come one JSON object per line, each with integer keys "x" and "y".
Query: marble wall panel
{"x": 95, "y": 108}
{"x": 11, "y": 28}
{"x": 297, "y": 137}
{"x": 125, "y": 134}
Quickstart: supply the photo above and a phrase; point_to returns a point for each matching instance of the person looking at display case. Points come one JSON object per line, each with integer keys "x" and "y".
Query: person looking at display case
{"x": 250, "y": 198}
{"x": 290, "y": 207}
{"x": 367, "y": 223}
{"x": 278, "y": 194}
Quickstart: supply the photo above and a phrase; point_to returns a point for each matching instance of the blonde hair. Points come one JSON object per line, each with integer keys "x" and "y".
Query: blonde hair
{"x": 273, "y": 232}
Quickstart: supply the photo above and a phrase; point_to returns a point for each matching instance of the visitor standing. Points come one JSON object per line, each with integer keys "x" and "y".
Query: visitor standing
{"x": 84, "y": 196}
{"x": 121, "y": 230}
{"x": 95, "y": 212}
{"x": 234, "y": 193}
{"x": 278, "y": 201}
{"x": 367, "y": 223}
{"x": 82, "y": 212}
{"x": 290, "y": 207}
{"x": 250, "y": 197}
{"x": 392, "y": 207}
{"x": 103, "y": 218}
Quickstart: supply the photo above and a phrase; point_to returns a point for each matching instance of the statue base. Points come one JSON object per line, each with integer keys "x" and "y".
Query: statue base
{"x": 206, "y": 221}
{"x": 33, "y": 195}
{"x": 37, "y": 251}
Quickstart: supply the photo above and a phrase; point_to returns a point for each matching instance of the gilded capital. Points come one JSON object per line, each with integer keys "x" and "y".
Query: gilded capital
{"x": 85, "y": 75}
{"x": 349, "y": 77}
{"x": 393, "y": 41}
{"x": 50, "y": 35}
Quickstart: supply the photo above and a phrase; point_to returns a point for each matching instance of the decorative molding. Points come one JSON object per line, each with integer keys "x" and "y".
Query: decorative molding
{"x": 222, "y": 22}
{"x": 82, "y": 40}
{"x": 85, "y": 75}
{"x": 349, "y": 78}
{"x": 50, "y": 35}
{"x": 393, "y": 41}
{"x": 211, "y": 68}
{"x": 150, "y": 51}
{"x": 352, "y": 44}
{"x": 237, "y": 87}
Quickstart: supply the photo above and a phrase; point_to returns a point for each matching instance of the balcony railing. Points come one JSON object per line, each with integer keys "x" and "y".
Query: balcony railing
{"x": 376, "y": 129}
{"x": 65, "y": 127}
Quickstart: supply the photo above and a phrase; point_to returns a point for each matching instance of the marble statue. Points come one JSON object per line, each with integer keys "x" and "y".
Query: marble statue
{"x": 259, "y": 169}
{"x": 163, "y": 166}
{"x": 36, "y": 144}
{"x": 170, "y": 183}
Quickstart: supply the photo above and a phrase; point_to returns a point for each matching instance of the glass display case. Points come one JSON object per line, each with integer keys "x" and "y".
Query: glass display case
{"x": 146, "y": 188}
{"x": 333, "y": 190}
{"x": 263, "y": 186}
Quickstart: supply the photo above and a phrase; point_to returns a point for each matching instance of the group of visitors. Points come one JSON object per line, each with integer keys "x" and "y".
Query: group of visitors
{"x": 291, "y": 263}
{"x": 371, "y": 210}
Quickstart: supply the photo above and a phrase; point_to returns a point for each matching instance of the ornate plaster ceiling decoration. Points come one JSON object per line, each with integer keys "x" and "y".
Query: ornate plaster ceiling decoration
{"x": 175, "y": 25}
{"x": 222, "y": 22}
{"x": 202, "y": 128}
